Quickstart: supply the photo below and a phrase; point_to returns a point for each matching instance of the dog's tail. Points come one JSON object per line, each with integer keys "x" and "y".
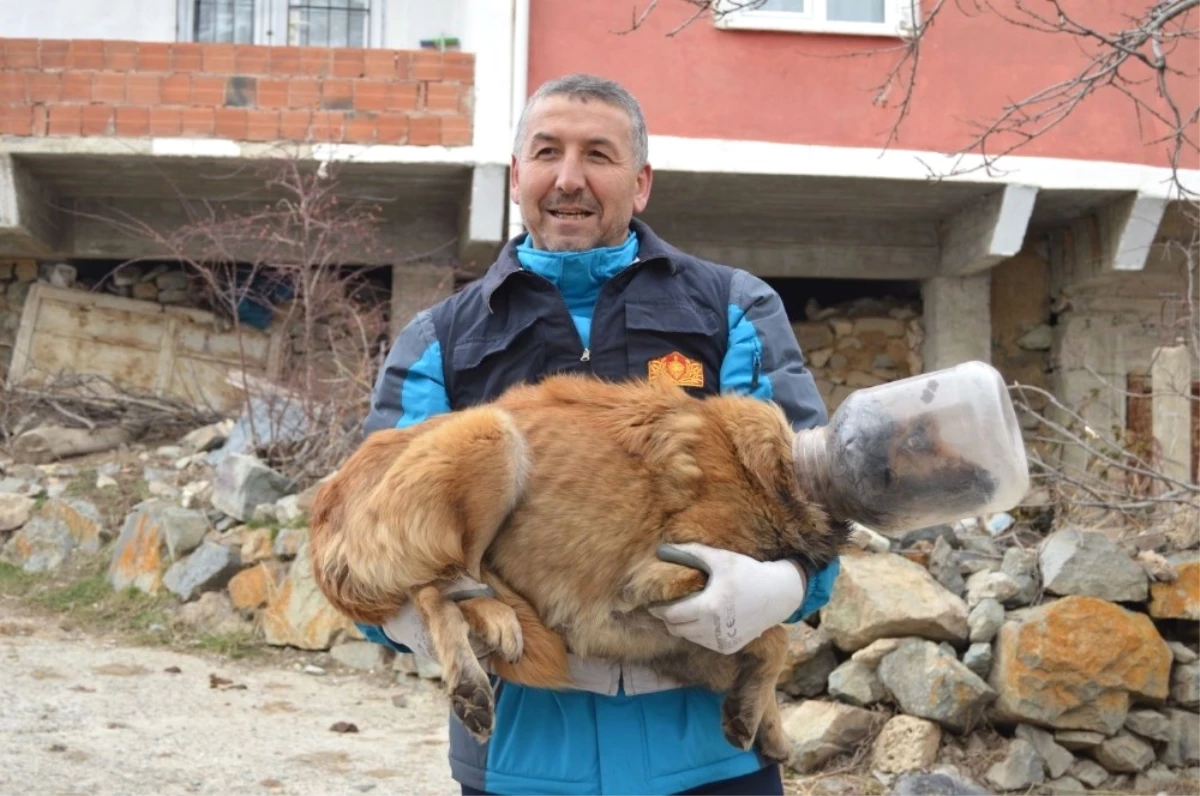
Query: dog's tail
{"x": 543, "y": 661}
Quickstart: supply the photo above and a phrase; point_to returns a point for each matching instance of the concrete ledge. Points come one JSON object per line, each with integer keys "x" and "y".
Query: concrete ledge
{"x": 987, "y": 232}
{"x": 30, "y": 224}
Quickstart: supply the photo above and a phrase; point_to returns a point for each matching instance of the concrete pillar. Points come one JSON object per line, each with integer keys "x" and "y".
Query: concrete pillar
{"x": 481, "y": 218}
{"x": 416, "y": 287}
{"x": 1171, "y": 408}
{"x": 958, "y": 320}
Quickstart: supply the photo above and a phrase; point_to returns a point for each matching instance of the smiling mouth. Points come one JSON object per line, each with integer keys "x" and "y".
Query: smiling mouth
{"x": 571, "y": 215}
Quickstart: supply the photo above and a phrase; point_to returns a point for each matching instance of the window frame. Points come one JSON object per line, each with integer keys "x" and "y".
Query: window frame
{"x": 897, "y": 19}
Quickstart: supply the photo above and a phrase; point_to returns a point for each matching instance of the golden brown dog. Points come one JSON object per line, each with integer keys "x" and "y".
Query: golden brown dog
{"x": 557, "y": 496}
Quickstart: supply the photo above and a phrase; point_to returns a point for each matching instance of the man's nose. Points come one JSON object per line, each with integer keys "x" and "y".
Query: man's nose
{"x": 570, "y": 174}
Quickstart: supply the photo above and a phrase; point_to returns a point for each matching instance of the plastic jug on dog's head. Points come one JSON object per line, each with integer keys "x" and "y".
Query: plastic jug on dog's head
{"x": 918, "y": 451}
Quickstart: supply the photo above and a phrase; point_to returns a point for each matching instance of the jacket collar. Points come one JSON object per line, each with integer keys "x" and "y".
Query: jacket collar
{"x": 651, "y": 249}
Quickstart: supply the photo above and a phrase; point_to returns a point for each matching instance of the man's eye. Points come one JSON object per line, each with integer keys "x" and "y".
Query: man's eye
{"x": 598, "y": 154}
{"x": 544, "y": 151}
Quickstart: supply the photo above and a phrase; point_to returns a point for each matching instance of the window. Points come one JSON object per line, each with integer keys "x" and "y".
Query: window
{"x": 313, "y": 23}
{"x": 328, "y": 23}
{"x": 224, "y": 21}
{"x": 855, "y": 17}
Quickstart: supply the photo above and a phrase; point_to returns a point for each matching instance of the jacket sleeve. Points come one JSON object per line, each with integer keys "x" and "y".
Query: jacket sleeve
{"x": 764, "y": 360}
{"x": 410, "y": 388}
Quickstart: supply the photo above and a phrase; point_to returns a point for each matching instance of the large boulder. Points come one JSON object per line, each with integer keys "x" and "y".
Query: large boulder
{"x": 154, "y": 534}
{"x": 298, "y": 614}
{"x": 1074, "y": 663}
{"x": 50, "y": 538}
{"x": 1180, "y": 598}
{"x": 930, "y": 683}
{"x": 243, "y": 483}
{"x": 820, "y": 730}
{"x": 1089, "y": 564}
{"x": 879, "y": 596}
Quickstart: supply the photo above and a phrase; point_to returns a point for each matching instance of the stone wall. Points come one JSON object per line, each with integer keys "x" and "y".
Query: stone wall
{"x": 860, "y": 343}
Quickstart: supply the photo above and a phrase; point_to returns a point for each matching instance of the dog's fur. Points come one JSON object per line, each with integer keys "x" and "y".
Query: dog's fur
{"x": 557, "y": 495}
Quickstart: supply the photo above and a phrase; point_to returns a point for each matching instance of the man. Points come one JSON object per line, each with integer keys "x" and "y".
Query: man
{"x": 589, "y": 288}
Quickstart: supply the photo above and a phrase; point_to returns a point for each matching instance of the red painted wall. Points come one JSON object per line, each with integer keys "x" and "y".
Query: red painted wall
{"x": 807, "y": 89}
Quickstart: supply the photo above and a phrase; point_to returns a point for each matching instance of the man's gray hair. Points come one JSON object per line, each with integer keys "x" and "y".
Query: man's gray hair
{"x": 589, "y": 87}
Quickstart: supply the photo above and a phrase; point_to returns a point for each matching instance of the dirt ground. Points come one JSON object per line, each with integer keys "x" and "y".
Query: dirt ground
{"x": 85, "y": 714}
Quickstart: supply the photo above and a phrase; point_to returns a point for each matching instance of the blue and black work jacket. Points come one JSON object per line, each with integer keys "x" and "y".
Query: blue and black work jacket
{"x": 720, "y": 330}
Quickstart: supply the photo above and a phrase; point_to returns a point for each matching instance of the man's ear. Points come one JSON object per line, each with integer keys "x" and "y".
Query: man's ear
{"x": 641, "y": 196}
{"x": 514, "y": 179}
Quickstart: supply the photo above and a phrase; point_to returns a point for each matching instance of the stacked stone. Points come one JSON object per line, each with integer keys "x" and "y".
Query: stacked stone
{"x": 860, "y": 343}
{"x": 16, "y": 277}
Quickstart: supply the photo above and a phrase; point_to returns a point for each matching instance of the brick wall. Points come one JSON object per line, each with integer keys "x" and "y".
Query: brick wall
{"x": 135, "y": 89}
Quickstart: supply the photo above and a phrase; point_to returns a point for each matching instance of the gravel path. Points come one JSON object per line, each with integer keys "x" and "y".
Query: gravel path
{"x": 88, "y": 716}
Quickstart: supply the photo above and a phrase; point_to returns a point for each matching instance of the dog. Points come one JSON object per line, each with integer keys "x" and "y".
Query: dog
{"x": 557, "y": 495}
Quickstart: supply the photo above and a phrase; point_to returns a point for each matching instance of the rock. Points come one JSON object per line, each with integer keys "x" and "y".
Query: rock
{"x": 254, "y": 586}
{"x": 810, "y": 659}
{"x": 1039, "y": 338}
{"x": 906, "y": 744}
{"x": 264, "y": 514}
{"x": 417, "y": 666}
{"x": 1182, "y": 653}
{"x": 288, "y": 510}
{"x": 1149, "y": 724}
{"x": 1021, "y": 566}
{"x": 820, "y": 730}
{"x": 812, "y": 336}
{"x": 1157, "y": 568}
{"x": 1179, "y": 599}
{"x": 936, "y": 784}
{"x": 299, "y": 615}
{"x": 1076, "y": 740}
{"x": 1088, "y": 563}
{"x": 877, "y": 650}
{"x": 183, "y": 529}
{"x": 943, "y": 565}
{"x": 1183, "y": 739}
{"x": 863, "y": 606}
{"x": 212, "y": 613}
{"x": 365, "y": 655}
{"x": 206, "y": 438}
{"x": 50, "y": 537}
{"x": 15, "y": 510}
{"x": 1089, "y": 772}
{"x": 1123, "y": 753}
{"x": 1065, "y": 785}
{"x": 256, "y": 545}
{"x": 931, "y": 684}
{"x": 985, "y": 620}
{"x": 1073, "y": 664}
{"x": 288, "y": 542}
{"x": 1019, "y": 769}
{"x": 1155, "y": 779}
{"x": 856, "y": 683}
{"x": 1057, "y": 759}
{"x": 991, "y": 586}
{"x": 1185, "y": 684}
{"x": 978, "y": 658}
{"x": 242, "y": 483}
{"x": 209, "y": 567}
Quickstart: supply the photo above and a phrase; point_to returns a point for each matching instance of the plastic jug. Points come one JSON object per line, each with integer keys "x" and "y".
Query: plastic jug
{"x": 919, "y": 451}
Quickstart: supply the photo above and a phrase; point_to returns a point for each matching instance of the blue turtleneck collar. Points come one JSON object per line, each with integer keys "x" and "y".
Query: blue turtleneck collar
{"x": 578, "y": 275}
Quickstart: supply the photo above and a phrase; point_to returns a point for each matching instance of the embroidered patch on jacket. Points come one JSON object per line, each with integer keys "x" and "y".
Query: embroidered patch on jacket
{"x": 675, "y": 368}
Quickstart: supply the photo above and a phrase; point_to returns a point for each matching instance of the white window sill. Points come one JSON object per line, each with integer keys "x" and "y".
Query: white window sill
{"x": 782, "y": 23}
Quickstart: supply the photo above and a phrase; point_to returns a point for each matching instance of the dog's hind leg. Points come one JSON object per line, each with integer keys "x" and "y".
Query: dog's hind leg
{"x": 466, "y": 682}
{"x": 748, "y": 702}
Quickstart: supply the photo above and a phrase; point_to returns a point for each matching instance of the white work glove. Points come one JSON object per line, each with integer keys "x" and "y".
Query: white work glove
{"x": 407, "y": 628}
{"x": 743, "y": 598}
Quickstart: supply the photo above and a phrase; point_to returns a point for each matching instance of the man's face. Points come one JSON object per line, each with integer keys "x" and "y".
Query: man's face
{"x": 575, "y": 177}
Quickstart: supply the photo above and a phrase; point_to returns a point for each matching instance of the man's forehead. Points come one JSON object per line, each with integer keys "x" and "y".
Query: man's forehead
{"x": 565, "y": 112}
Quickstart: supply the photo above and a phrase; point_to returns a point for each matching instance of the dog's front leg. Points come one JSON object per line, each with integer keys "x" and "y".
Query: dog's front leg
{"x": 466, "y": 682}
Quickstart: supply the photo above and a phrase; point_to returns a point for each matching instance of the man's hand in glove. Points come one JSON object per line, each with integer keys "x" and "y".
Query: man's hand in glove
{"x": 743, "y": 598}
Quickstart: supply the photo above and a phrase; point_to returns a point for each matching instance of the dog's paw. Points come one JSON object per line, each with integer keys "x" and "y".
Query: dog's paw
{"x": 472, "y": 703}
{"x": 774, "y": 745}
{"x": 495, "y": 629}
